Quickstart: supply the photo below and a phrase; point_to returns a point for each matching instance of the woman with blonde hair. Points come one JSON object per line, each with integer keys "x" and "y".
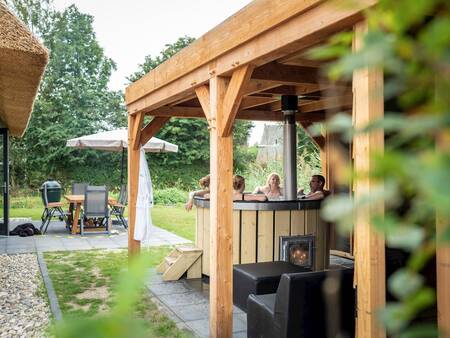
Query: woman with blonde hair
{"x": 272, "y": 188}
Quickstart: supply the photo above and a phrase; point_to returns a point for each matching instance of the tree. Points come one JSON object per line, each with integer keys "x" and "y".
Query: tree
{"x": 191, "y": 135}
{"x": 36, "y": 14}
{"x": 74, "y": 100}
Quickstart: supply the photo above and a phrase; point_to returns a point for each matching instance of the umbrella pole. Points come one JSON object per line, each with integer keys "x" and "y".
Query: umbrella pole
{"x": 121, "y": 169}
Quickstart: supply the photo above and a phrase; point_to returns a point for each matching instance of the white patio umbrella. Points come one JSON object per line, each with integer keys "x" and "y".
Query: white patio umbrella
{"x": 117, "y": 140}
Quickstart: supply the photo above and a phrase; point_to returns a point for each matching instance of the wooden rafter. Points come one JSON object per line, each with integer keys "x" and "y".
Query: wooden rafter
{"x": 255, "y": 101}
{"x": 183, "y": 100}
{"x": 260, "y": 115}
{"x": 152, "y": 128}
{"x": 233, "y": 98}
{"x": 319, "y": 140}
{"x": 327, "y": 103}
{"x": 275, "y": 71}
{"x": 256, "y": 86}
{"x": 248, "y": 114}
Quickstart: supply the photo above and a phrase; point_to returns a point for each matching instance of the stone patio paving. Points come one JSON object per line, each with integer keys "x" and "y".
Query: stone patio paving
{"x": 58, "y": 238}
{"x": 186, "y": 302}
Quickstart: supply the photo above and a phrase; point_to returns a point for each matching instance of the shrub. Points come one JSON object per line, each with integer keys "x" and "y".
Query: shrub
{"x": 169, "y": 196}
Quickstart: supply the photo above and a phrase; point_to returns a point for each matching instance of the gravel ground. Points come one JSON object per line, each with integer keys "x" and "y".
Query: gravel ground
{"x": 23, "y": 312}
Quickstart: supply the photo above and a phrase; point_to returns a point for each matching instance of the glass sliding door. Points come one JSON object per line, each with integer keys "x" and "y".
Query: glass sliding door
{"x": 4, "y": 182}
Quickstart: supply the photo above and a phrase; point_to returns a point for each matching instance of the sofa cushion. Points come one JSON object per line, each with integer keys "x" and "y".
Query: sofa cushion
{"x": 258, "y": 279}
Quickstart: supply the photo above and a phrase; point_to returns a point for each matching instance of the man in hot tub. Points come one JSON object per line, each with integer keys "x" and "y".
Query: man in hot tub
{"x": 317, "y": 192}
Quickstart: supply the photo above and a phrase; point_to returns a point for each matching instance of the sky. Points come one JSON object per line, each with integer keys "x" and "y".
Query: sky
{"x": 129, "y": 30}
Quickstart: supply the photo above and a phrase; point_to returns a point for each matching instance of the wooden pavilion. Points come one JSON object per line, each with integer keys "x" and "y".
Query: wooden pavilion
{"x": 238, "y": 70}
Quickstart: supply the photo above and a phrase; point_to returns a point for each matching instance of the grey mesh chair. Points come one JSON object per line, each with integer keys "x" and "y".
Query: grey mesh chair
{"x": 118, "y": 208}
{"x": 95, "y": 213}
{"x": 77, "y": 189}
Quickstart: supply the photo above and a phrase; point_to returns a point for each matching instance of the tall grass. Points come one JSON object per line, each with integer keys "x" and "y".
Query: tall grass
{"x": 308, "y": 164}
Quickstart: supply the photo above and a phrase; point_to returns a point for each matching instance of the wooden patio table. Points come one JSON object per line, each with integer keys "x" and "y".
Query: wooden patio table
{"x": 78, "y": 200}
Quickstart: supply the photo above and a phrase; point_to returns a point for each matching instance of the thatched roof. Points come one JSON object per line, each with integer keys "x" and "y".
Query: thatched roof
{"x": 22, "y": 63}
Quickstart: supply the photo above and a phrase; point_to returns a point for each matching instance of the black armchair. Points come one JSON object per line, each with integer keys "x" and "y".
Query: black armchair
{"x": 301, "y": 309}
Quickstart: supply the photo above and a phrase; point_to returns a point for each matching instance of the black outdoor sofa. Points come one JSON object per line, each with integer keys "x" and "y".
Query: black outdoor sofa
{"x": 302, "y": 307}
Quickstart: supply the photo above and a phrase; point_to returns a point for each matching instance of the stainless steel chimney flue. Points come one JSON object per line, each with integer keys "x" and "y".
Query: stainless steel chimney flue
{"x": 289, "y": 106}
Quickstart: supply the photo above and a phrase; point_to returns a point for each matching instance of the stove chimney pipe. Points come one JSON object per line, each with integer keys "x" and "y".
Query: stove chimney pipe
{"x": 289, "y": 106}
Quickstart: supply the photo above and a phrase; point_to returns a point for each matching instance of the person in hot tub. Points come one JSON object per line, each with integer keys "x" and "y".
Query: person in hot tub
{"x": 317, "y": 192}
{"x": 238, "y": 191}
{"x": 272, "y": 188}
{"x": 204, "y": 184}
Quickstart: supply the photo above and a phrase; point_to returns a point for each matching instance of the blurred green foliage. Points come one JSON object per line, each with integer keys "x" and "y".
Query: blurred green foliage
{"x": 411, "y": 43}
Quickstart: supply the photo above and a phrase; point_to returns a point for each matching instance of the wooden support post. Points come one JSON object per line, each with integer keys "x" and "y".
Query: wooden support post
{"x": 221, "y": 217}
{"x": 152, "y": 128}
{"x": 443, "y": 258}
{"x": 369, "y": 246}
{"x": 134, "y": 129}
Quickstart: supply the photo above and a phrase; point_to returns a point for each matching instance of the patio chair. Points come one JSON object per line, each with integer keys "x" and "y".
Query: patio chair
{"x": 51, "y": 209}
{"x": 95, "y": 212}
{"x": 118, "y": 208}
{"x": 77, "y": 189}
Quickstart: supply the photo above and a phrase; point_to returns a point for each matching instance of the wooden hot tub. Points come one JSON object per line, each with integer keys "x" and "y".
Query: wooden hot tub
{"x": 257, "y": 227}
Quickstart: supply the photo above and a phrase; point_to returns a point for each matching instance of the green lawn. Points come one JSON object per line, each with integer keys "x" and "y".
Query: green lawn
{"x": 175, "y": 219}
{"x": 86, "y": 282}
{"x": 172, "y": 218}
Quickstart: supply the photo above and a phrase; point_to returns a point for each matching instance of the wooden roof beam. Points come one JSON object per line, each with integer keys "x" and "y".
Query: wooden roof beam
{"x": 306, "y": 28}
{"x": 248, "y": 114}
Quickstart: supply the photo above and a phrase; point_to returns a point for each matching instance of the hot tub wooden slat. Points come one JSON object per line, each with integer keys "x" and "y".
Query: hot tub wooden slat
{"x": 258, "y": 226}
{"x": 199, "y": 230}
{"x": 236, "y": 236}
{"x": 297, "y": 222}
{"x": 282, "y": 221}
{"x": 248, "y": 237}
{"x": 265, "y": 236}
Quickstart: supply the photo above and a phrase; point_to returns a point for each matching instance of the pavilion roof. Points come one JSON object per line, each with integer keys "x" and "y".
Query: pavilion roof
{"x": 22, "y": 63}
{"x": 272, "y": 36}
